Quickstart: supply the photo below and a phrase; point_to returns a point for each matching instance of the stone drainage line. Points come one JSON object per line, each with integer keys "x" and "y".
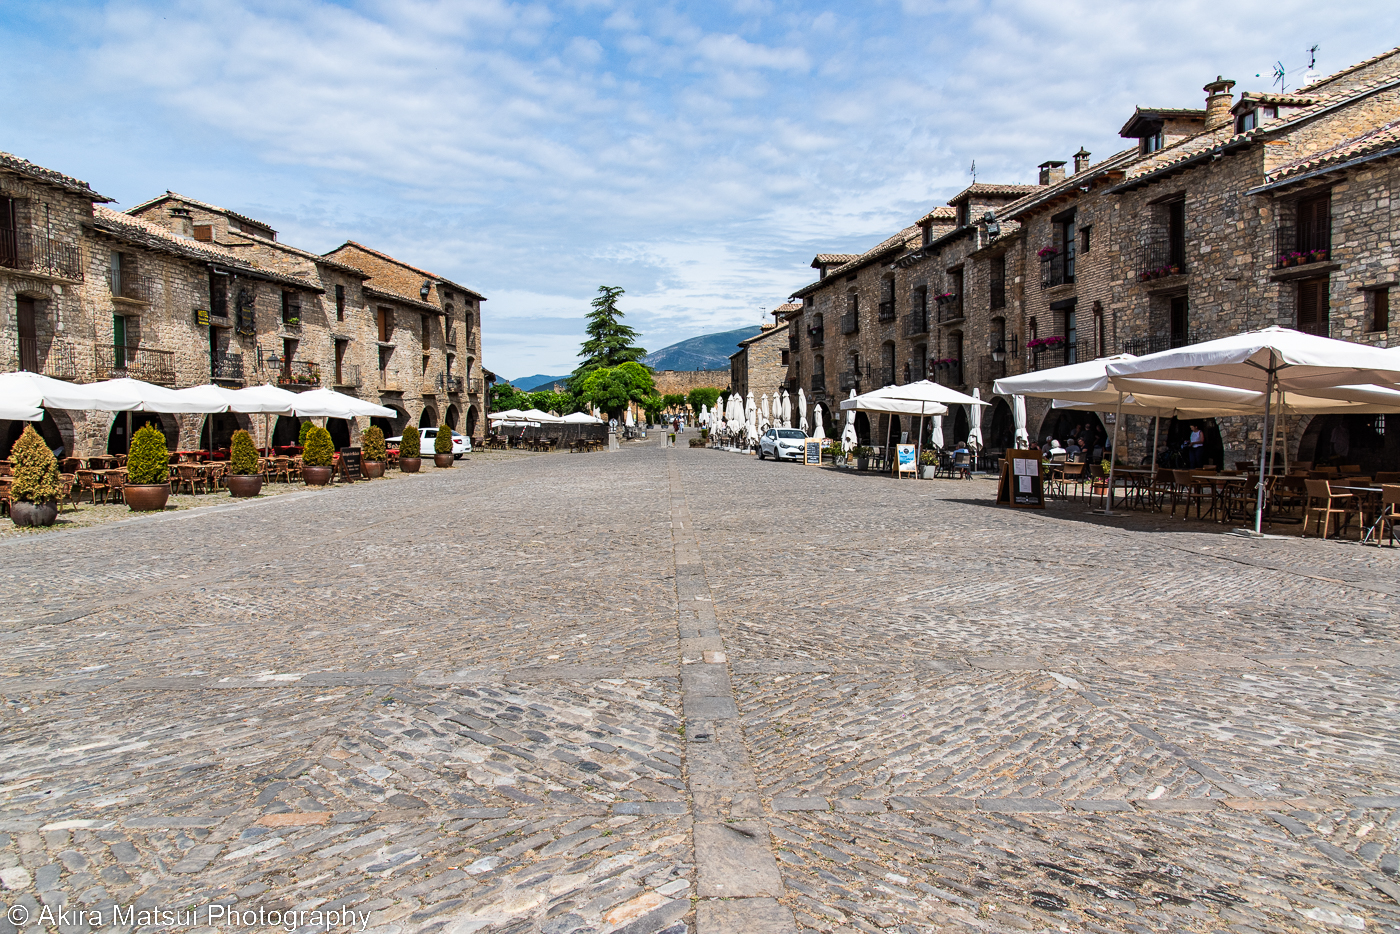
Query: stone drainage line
{"x": 738, "y": 882}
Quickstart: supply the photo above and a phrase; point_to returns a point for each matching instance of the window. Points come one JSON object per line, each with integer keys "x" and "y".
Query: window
{"x": 340, "y": 303}
{"x": 1071, "y": 337}
{"x": 424, "y": 369}
{"x": 289, "y": 350}
{"x": 1247, "y": 121}
{"x": 1180, "y": 321}
{"x": 1152, "y": 143}
{"x": 386, "y": 323}
{"x": 1065, "y": 240}
{"x": 340, "y": 346}
{"x": 291, "y": 308}
{"x": 1315, "y": 225}
{"x": 1379, "y": 300}
{"x": 997, "y": 271}
{"x": 1176, "y": 233}
{"x": 786, "y": 358}
{"x": 427, "y": 333}
{"x": 116, "y": 275}
{"x": 1084, "y": 239}
{"x": 1312, "y": 306}
{"x": 218, "y": 295}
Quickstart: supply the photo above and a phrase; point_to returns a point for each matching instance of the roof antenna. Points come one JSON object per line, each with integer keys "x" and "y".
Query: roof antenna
{"x": 973, "y": 170}
{"x": 1280, "y": 77}
{"x": 1311, "y": 76}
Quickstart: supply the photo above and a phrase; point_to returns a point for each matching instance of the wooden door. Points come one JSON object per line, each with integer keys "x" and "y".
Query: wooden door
{"x": 28, "y": 335}
{"x": 1312, "y": 306}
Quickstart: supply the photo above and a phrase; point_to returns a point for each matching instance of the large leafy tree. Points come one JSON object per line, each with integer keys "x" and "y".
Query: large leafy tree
{"x": 547, "y": 400}
{"x": 610, "y": 342}
{"x": 504, "y": 397}
{"x": 702, "y": 397}
{"x": 673, "y": 401}
{"x": 612, "y": 388}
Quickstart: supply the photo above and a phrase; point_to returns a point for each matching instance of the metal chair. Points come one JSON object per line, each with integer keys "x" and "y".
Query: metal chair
{"x": 1390, "y": 512}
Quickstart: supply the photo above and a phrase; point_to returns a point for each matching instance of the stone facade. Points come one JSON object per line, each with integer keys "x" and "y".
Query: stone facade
{"x": 1175, "y": 240}
{"x": 683, "y": 381}
{"x": 760, "y": 365}
{"x": 179, "y": 292}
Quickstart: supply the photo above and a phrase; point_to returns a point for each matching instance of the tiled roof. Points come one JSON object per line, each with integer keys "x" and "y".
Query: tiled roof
{"x": 899, "y": 241}
{"x": 1286, "y": 100}
{"x": 1142, "y": 115}
{"x": 50, "y": 177}
{"x": 768, "y": 331}
{"x": 153, "y": 236}
{"x": 211, "y": 208}
{"x": 306, "y": 254}
{"x": 1381, "y": 138}
{"x": 940, "y": 213}
{"x": 788, "y": 306}
{"x": 376, "y": 292}
{"x": 398, "y": 262}
{"x": 1042, "y": 193}
{"x": 981, "y": 189}
{"x": 1347, "y": 70}
{"x": 826, "y": 259}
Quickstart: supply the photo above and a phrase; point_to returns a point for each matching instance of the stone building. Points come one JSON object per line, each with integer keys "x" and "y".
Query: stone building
{"x": 760, "y": 364}
{"x": 1273, "y": 209}
{"x": 180, "y": 292}
{"x": 681, "y": 382}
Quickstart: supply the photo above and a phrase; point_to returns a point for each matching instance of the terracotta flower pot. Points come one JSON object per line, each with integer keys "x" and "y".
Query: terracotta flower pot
{"x": 244, "y": 484}
{"x": 410, "y": 464}
{"x": 442, "y": 460}
{"x": 146, "y": 497}
{"x": 372, "y": 469}
{"x": 33, "y": 515}
{"x": 316, "y": 476}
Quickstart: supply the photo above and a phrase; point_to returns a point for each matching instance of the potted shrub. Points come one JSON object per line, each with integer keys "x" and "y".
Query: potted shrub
{"x": 928, "y": 463}
{"x": 303, "y": 431}
{"x": 862, "y": 453}
{"x": 410, "y": 458}
{"x": 317, "y": 456}
{"x": 372, "y": 450}
{"x": 147, "y": 471}
{"x": 442, "y": 447}
{"x": 243, "y": 476}
{"x": 34, "y": 493}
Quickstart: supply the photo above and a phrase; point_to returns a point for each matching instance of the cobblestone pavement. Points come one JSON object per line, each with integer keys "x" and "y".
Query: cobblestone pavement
{"x": 681, "y": 690}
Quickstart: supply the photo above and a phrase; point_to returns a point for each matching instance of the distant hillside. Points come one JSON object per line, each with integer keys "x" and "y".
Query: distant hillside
{"x": 539, "y": 380}
{"x": 707, "y": 352}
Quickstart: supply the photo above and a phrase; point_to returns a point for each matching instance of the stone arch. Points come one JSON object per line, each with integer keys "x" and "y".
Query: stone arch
{"x": 452, "y": 418}
{"x": 428, "y": 418}
{"x": 224, "y": 424}
{"x": 1001, "y": 426}
{"x": 56, "y": 428}
{"x": 119, "y": 442}
{"x": 286, "y": 431}
{"x": 340, "y": 432}
{"x": 473, "y": 416}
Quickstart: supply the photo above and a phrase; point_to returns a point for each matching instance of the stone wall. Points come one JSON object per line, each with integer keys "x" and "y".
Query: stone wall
{"x": 683, "y": 381}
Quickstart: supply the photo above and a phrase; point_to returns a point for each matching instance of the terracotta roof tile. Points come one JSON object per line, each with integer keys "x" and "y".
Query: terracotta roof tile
{"x": 991, "y": 191}
{"x": 829, "y": 258}
{"x": 398, "y": 262}
{"x": 212, "y": 208}
{"x": 1384, "y": 137}
{"x": 940, "y": 213}
{"x": 50, "y": 177}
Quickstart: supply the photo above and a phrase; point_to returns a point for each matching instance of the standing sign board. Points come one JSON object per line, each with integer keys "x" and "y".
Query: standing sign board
{"x": 1021, "y": 485}
{"x": 350, "y": 463}
{"x": 812, "y": 452}
{"x": 906, "y": 459}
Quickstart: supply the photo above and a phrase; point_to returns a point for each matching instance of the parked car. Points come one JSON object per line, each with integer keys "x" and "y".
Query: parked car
{"x": 427, "y": 439}
{"x": 780, "y": 443}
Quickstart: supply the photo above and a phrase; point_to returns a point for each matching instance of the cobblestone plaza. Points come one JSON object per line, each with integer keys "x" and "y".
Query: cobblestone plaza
{"x": 671, "y": 690}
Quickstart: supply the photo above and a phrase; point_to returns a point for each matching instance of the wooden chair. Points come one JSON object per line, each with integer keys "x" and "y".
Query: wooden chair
{"x": 1387, "y": 476}
{"x": 70, "y": 465}
{"x": 1349, "y": 470}
{"x": 214, "y": 475}
{"x": 294, "y": 469}
{"x": 1324, "y": 502}
{"x": 1390, "y": 513}
{"x": 6, "y": 470}
{"x": 116, "y": 484}
{"x": 1185, "y": 490}
{"x": 92, "y": 483}
{"x": 5, "y": 484}
{"x": 188, "y": 476}
{"x": 282, "y": 468}
{"x": 1071, "y": 479}
{"x": 66, "y": 482}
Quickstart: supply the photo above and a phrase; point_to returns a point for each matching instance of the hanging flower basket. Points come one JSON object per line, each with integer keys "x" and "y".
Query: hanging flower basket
{"x": 1047, "y": 251}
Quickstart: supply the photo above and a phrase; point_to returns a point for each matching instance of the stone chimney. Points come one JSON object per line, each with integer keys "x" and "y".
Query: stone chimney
{"x": 182, "y": 221}
{"x": 1052, "y": 171}
{"x": 1218, "y": 100}
{"x": 1081, "y": 160}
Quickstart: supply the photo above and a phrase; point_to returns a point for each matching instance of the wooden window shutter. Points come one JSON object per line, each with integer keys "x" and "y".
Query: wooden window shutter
{"x": 1312, "y": 306}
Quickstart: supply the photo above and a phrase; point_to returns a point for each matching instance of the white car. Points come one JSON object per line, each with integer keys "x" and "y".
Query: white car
{"x": 780, "y": 443}
{"x": 427, "y": 441}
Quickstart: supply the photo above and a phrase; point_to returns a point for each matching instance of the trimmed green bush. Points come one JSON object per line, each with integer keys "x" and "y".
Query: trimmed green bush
{"x": 242, "y": 455}
{"x": 372, "y": 444}
{"x": 442, "y": 444}
{"x": 303, "y": 431}
{"x": 318, "y": 450}
{"x": 410, "y": 446}
{"x": 36, "y": 471}
{"x": 149, "y": 461}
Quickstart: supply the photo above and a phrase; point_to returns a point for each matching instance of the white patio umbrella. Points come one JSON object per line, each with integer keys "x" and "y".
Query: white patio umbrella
{"x": 328, "y": 403}
{"x": 1018, "y": 420}
{"x": 1272, "y": 360}
{"x": 535, "y": 415}
{"x": 818, "y": 431}
{"x": 581, "y": 418}
{"x": 936, "y": 436}
{"x": 919, "y": 399}
{"x": 974, "y": 434}
{"x": 767, "y": 411}
{"x": 786, "y": 420}
{"x": 25, "y": 390}
{"x": 20, "y": 413}
{"x": 802, "y": 410}
{"x": 752, "y": 420}
{"x": 630, "y": 422}
{"x": 704, "y": 419}
{"x": 848, "y": 434}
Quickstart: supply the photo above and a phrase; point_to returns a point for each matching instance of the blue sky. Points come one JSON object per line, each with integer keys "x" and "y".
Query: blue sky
{"x": 696, "y": 154}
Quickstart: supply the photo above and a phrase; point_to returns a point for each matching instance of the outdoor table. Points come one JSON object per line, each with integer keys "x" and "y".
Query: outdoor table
{"x": 1219, "y": 485}
{"x": 1133, "y": 486}
{"x": 1370, "y": 492}
{"x": 102, "y": 462}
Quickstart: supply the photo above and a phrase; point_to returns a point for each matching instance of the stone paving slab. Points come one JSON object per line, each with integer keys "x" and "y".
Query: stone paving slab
{"x": 579, "y": 695}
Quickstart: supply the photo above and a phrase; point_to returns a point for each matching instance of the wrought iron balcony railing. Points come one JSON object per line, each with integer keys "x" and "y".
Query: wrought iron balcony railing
{"x": 347, "y": 376}
{"x": 54, "y": 358}
{"x": 296, "y": 375}
{"x": 816, "y": 336}
{"x": 26, "y": 252}
{"x": 1157, "y": 259}
{"x": 887, "y": 310}
{"x": 118, "y": 361}
{"x": 449, "y": 383}
{"x": 132, "y": 288}
{"x": 950, "y": 310}
{"x": 1153, "y": 344}
{"x": 850, "y": 322}
{"x": 916, "y": 323}
{"x": 473, "y": 385}
{"x": 818, "y": 383}
{"x": 1055, "y": 270}
{"x": 1299, "y": 246}
{"x": 226, "y": 368}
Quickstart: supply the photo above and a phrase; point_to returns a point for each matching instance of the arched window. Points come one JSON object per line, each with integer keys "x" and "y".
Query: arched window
{"x": 887, "y": 373}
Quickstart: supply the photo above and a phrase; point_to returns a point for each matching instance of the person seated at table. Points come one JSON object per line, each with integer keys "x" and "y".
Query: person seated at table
{"x": 1073, "y": 449}
{"x": 1056, "y": 448}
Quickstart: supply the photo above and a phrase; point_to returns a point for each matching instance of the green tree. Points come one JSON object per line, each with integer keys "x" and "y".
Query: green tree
{"x": 35, "y": 470}
{"x": 612, "y": 388}
{"x": 319, "y": 450}
{"x": 547, "y": 400}
{"x": 409, "y": 443}
{"x": 372, "y": 443}
{"x": 610, "y": 342}
{"x": 672, "y": 401}
{"x": 703, "y": 397}
{"x": 243, "y": 456}
{"x": 504, "y": 396}
{"x": 303, "y": 431}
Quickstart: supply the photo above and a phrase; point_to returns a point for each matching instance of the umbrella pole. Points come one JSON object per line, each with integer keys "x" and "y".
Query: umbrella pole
{"x": 1113, "y": 457}
{"x": 1156, "y": 432}
{"x": 1263, "y": 455}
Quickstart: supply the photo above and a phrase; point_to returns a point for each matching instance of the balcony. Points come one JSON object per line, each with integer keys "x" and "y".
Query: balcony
{"x": 916, "y": 323}
{"x": 56, "y": 359}
{"x": 851, "y": 379}
{"x": 818, "y": 383}
{"x": 132, "y": 288}
{"x": 449, "y": 383}
{"x": 816, "y": 336}
{"x": 1302, "y": 246}
{"x": 1161, "y": 258}
{"x": 793, "y": 343}
{"x": 887, "y": 310}
{"x": 950, "y": 308}
{"x": 850, "y": 322}
{"x": 296, "y": 375}
{"x": 473, "y": 385}
{"x": 947, "y": 372}
{"x": 347, "y": 376}
{"x": 887, "y": 375}
{"x": 1156, "y": 343}
{"x": 24, "y": 252}
{"x": 226, "y": 368}
{"x": 389, "y": 383}
{"x": 429, "y": 385}
{"x": 1048, "y": 356}
{"x": 143, "y": 363}
{"x": 1056, "y": 269}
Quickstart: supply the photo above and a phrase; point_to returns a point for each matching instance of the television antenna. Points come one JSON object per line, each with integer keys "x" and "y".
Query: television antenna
{"x": 973, "y": 171}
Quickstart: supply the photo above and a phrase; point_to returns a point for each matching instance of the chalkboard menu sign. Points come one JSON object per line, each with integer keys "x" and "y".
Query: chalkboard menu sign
{"x": 350, "y": 463}
{"x": 812, "y": 452}
{"x": 1021, "y": 485}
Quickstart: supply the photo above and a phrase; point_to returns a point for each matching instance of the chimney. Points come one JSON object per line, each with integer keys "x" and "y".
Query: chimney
{"x": 1218, "y": 100}
{"x": 1052, "y": 171}
{"x": 182, "y": 221}
{"x": 1081, "y": 160}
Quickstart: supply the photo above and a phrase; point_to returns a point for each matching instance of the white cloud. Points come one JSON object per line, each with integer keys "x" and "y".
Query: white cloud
{"x": 696, "y": 155}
